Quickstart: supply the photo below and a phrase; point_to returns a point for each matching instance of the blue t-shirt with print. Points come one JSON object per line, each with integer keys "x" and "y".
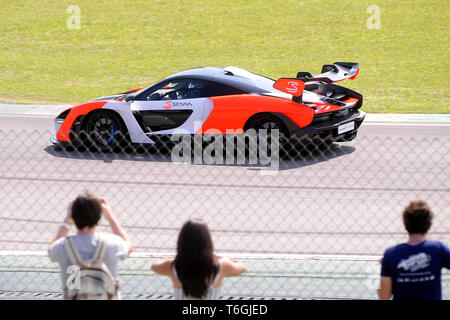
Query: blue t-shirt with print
{"x": 416, "y": 270}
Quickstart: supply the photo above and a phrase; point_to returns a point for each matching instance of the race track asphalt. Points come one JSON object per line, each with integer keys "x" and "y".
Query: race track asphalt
{"x": 346, "y": 200}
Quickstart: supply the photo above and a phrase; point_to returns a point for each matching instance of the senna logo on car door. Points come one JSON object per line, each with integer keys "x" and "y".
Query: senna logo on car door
{"x": 169, "y": 104}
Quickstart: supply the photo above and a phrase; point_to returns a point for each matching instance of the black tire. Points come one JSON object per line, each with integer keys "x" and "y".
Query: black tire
{"x": 105, "y": 131}
{"x": 269, "y": 122}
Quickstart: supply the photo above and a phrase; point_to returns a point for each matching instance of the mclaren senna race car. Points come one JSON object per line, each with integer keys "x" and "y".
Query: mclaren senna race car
{"x": 219, "y": 100}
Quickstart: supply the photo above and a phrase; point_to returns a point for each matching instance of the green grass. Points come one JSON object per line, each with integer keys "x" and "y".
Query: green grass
{"x": 126, "y": 44}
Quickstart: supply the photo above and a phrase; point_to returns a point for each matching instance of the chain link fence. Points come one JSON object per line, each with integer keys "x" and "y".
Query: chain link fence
{"x": 309, "y": 223}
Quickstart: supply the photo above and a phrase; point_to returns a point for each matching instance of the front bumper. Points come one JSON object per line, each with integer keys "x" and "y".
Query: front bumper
{"x": 55, "y": 141}
{"x": 74, "y": 133}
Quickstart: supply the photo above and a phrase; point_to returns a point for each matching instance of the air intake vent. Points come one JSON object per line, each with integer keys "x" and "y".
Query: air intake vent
{"x": 333, "y": 102}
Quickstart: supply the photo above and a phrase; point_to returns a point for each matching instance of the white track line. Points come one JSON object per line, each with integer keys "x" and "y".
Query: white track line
{"x": 406, "y": 124}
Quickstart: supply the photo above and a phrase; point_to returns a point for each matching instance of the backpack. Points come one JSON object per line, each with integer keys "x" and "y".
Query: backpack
{"x": 95, "y": 281}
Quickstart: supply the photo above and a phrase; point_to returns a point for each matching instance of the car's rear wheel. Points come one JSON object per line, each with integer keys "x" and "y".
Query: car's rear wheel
{"x": 269, "y": 123}
{"x": 105, "y": 131}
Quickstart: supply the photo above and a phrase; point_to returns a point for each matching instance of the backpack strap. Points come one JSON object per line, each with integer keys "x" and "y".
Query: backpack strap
{"x": 72, "y": 252}
{"x": 112, "y": 285}
{"x": 75, "y": 257}
{"x": 100, "y": 252}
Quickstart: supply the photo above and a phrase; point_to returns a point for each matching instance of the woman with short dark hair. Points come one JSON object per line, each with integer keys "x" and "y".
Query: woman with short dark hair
{"x": 196, "y": 271}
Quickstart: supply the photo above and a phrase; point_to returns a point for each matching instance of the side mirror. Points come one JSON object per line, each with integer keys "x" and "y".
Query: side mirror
{"x": 130, "y": 97}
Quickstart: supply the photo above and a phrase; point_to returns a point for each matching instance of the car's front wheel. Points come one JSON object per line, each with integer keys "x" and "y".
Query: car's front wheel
{"x": 105, "y": 131}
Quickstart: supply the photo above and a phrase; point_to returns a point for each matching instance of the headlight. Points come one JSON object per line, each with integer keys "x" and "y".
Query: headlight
{"x": 60, "y": 119}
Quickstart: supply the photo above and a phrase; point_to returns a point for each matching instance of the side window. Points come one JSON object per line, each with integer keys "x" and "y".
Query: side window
{"x": 175, "y": 90}
{"x": 218, "y": 89}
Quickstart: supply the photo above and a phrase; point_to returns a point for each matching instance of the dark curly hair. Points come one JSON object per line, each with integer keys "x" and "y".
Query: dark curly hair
{"x": 86, "y": 210}
{"x": 417, "y": 217}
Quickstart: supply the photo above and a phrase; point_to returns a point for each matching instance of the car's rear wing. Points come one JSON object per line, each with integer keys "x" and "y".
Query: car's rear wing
{"x": 335, "y": 72}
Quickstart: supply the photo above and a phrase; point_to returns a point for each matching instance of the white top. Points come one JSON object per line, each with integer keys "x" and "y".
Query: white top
{"x": 86, "y": 245}
{"x": 211, "y": 294}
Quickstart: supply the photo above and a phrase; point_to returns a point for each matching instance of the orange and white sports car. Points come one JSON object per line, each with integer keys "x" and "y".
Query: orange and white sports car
{"x": 219, "y": 100}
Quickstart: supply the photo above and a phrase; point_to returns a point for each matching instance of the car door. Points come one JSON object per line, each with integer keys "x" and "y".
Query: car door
{"x": 171, "y": 105}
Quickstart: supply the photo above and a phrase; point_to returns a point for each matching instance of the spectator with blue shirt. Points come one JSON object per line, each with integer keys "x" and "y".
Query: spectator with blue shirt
{"x": 412, "y": 270}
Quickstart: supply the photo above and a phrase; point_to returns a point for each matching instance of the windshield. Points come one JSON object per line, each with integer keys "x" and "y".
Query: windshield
{"x": 262, "y": 82}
